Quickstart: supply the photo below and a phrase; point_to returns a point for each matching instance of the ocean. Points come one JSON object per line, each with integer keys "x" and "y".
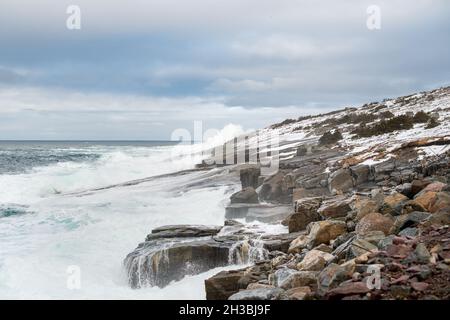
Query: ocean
{"x": 55, "y": 213}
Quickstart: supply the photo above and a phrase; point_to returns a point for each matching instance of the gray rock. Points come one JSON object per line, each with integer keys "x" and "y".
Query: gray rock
{"x": 409, "y": 232}
{"x": 340, "y": 181}
{"x": 336, "y": 207}
{"x": 183, "y": 231}
{"x": 246, "y": 195}
{"x": 258, "y": 294}
{"x": 250, "y": 177}
{"x": 361, "y": 173}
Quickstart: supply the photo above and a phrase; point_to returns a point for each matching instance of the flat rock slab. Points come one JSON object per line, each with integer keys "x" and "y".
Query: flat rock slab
{"x": 260, "y": 212}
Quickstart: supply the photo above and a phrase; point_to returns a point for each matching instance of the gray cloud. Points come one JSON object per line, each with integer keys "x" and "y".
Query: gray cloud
{"x": 156, "y": 63}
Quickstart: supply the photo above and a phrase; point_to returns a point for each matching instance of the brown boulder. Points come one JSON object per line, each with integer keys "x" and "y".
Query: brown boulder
{"x": 305, "y": 212}
{"x": 334, "y": 208}
{"x": 373, "y": 222}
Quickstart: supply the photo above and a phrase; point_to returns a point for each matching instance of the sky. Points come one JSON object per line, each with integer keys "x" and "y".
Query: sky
{"x": 139, "y": 69}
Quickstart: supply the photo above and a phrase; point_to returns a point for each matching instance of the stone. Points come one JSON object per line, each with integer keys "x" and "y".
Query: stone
{"x": 333, "y": 275}
{"x": 305, "y": 213}
{"x": 414, "y": 219}
{"x": 246, "y": 195}
{"x": 373, "y": 237}
{"x": 298, "y": 244}
{"x": 409, "y": 232}
{"x": 223, "y": 285}
{"x": 373, "y": 222}
{"x": 405, "y": 189}
{"x": 400, "y": 251}
{"x": 298, "y": 293}
{"x": 250, "y": 177}
{"x": 299, "y": 279}
{"x": 419, "y": 286}
{"x": 349, "y": 288}
{"x": 417, "y": 186}
{"x": 442, "y": 201}
{"x": 325, "y": 231}
{"x": 183, "y": 231}
{"x": 400, "y": 291}
{"x": 392, "y": 202}
{"x": 324, "y": 248}
{"x": 252, "y": 286}
{"x": 377, "y": 195}
{"x": 340, "y": 181}
{"x": 408, "y": 207}
{"x": 161, "y": 261}
{"x": 384, "y": 243}
{"x": 274, "y": 189}
{"x": 360, "y": 173}
{"x": 441, "y": 217}
{"x": 364, "y": 206}
{"x": 422, "y": 253}
{"x": 258, "y": 294}
{"x": 434, "y": 187}
{"x": 314, "y": 260}
{"x": 361, "y": 246}
{"x": 336, "y": 207}
{"x": 426, "y": 199}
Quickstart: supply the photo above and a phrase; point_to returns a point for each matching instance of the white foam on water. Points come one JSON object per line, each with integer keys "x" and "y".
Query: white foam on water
{"x": 95, "y": 231}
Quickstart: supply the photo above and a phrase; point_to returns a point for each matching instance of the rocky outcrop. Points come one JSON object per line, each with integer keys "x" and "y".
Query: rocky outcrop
{"x": 250, "y": 177}
{"x": 305, "y": 212}
{"x": 246, "y": 195}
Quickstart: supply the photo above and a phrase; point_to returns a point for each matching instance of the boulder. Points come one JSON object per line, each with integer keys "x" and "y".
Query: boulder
{"x": 364, "y": 206}
{"x": 333, "y": 275}
{"x": 319, "y": 232}
{"x": 258, "y": 294}
{"x": 340, "y": 181}
{"x": 373, "y": 222}
{"x": 183, "y": 231}
{"x": 361, "y": 246}
{"x": 426, "y": 199}
{"x": 325, "y": 231}
{"x": 305, "y": 212}
{"x": 441, "y": 202}
{"x": 250, "y": 177}
{"x": 392, "y": 202}
{"x": 413, "y": 219}
{"x": 158, "y": 262}
{"x": 299, "y": 279}
{"x": 360, "y": 173}
{"x": 274, "y": 189}
{"x": 434, "y": 187}
{"x": 336, "y": 207}
{"x": 349, "y": 288}
{"x": 298, "y": 293}
{"x": 418, "y": 185}
{"x": 224, "y": 284}
{"x": 246, "y": 195}
{"x": 314, "y": 260}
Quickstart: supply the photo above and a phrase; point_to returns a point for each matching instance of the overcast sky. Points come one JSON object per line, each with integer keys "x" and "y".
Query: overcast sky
{"x": 138, "y": 69}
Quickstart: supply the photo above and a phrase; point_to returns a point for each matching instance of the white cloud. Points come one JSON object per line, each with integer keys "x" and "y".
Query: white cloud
{"x": 37, "y": 113}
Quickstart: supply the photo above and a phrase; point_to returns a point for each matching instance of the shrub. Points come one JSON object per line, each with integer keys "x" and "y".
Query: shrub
{"x": 402, "y": 122}
{"x": 432, "y": 123}
{"x": 330, "y": 138}
{"x": 283, "y": 123}
{"x": 386, "y": 115}
{"x": 421, "y": 117}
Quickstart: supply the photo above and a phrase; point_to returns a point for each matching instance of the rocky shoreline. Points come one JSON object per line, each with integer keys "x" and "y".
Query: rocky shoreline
{"x": 355, "y": 229}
